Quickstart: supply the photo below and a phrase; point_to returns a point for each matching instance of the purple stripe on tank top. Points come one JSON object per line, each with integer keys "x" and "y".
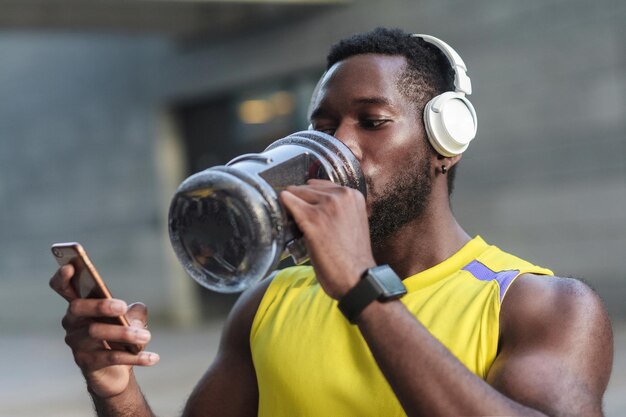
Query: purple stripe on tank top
{"x": 504, "y": 279}
{"x": 481, "y": 272}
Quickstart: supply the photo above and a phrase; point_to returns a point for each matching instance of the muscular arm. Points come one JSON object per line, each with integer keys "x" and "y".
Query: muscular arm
{"x": 556, "y": 347}
{"x": 229, "y": 387}
{"x": 555, "y": 356}
{"x": 556, "y": 343}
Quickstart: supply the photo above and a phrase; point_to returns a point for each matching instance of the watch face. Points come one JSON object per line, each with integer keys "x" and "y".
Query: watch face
{"x": 389, "y": 282}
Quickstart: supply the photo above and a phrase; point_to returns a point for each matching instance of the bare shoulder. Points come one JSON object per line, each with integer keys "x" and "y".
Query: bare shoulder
{"x": 556, "y": 346}
{"x": 239, "y": 321}
{"x": 551, "y": 303}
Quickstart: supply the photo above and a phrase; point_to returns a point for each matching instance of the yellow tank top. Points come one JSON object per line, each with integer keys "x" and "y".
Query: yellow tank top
{"x": 310, "y": 361}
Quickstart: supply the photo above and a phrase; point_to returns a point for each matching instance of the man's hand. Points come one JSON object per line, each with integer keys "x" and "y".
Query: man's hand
{"x": 108, "y": 372}
{"x": 334, "y": 222}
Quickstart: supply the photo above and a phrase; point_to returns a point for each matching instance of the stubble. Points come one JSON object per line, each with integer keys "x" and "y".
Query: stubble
{"x": 400, "y": 202}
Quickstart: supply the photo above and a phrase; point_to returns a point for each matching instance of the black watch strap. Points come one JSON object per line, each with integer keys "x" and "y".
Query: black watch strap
{"x": 379, "y": 283}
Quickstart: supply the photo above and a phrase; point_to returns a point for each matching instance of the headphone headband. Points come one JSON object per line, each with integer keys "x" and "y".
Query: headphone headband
{"x": 462, "y": 82}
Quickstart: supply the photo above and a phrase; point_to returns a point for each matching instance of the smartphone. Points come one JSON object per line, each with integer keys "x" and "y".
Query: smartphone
{"x": 87, "y": 283}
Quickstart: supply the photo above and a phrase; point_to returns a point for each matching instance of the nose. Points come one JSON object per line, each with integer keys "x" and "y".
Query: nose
{"x": 349, "y": 138}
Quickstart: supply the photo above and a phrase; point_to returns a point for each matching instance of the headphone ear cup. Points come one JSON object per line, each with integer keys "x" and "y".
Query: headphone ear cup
{"x": 450, "y": 120}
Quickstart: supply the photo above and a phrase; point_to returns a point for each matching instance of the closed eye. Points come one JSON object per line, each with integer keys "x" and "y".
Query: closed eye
{"x": 327, "y": 130}
{"x": 373, "y": 123}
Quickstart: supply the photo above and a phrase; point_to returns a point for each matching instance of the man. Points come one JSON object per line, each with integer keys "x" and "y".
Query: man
{"x": 453, "y": 345}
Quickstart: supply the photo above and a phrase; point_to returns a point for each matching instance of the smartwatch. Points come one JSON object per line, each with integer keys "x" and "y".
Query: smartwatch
{"x": 378, "y": 283}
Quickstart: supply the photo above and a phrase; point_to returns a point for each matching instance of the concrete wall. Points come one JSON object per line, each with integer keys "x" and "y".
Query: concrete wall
{"x": 79, "y": 129}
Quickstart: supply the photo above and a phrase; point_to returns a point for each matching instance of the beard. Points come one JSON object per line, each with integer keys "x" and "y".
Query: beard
{"x": 400, "y": 202}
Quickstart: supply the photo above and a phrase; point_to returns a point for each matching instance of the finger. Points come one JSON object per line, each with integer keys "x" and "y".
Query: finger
{"x": 322, "y": 183}
{"x": 303, "y": 212}
{"x": 61, "y": 282}
{"x": 81, "y": 340}
{"x": 122, "y": 334}
{"x": 320, "y": 191}
{"x": 70, "y": 321}
{"x": 93, "y": 361}
{"x": 91, "y": 337}
{"x": 310, "y": 194}
{"x": 137, "y": 315}
{"x": 97, "y": 307}
{"x": 295, "y": 204}
{"x": 318, "y": 185}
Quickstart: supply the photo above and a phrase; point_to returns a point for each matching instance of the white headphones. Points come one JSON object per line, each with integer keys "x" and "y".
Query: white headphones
{"x": 450, "y": 118}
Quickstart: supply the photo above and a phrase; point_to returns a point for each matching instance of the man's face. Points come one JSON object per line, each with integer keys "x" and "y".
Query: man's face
{"x": 359, "y": 103}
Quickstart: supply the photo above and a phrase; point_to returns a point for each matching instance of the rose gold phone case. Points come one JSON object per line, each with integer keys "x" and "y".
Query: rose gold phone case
{"x": 73, "y": 253}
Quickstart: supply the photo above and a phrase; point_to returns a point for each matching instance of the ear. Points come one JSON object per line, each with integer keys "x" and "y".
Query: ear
{"x": 443, "y": 163}
{"x": 453, "y": 160}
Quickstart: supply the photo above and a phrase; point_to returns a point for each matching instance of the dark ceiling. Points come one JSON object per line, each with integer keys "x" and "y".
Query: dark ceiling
{"x": 182, "y": 19}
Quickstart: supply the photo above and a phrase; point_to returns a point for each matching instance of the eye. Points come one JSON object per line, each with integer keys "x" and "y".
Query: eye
{"x": 372, "y": 123}
{"x": 329, "y": 130}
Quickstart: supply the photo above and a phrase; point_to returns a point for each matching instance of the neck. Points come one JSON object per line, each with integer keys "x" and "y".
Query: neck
{"x": 424, "y": 242}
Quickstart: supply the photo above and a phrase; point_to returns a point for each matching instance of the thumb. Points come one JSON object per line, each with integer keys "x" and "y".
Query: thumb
{"x": 137, "y": 315}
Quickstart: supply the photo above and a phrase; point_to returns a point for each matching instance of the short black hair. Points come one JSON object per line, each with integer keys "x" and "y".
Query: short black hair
{"x": 428, "y": 72}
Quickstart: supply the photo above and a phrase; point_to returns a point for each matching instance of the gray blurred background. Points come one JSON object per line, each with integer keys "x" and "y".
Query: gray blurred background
{"x": 105, "y": 106}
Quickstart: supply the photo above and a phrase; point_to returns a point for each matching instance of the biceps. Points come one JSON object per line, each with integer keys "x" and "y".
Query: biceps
{"x": 228, "y": 389}
{"x": 551, "y": 383}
